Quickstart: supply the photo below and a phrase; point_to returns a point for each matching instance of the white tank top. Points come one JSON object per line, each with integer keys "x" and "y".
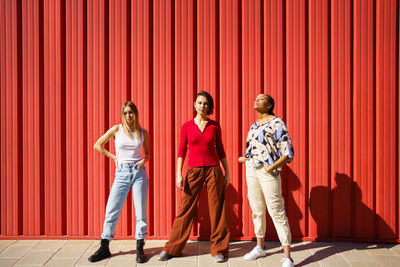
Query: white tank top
{"x": 128, "y": 150}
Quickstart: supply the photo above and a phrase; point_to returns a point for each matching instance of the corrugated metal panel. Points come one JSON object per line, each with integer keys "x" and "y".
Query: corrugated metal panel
{"x": 163, "y": 112}
{"x": 11, "y": 124}
{"x": 363, "y": 120}
{"x": 318, "y": 118}
{"x": 341, "y": 118}
{"x": 333, "y": 70}
{"x": 97, "y": 112}
{"x": 33, "y": 172}
{"x": 386, "y": 114}
{"x": 76, "y": 124}
{"x": 54, "y": 118}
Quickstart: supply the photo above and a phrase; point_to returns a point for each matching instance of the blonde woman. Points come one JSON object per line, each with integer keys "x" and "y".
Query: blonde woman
{"x": 130, "y": 172}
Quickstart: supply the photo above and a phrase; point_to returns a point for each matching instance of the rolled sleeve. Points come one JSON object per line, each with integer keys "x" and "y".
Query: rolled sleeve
{"x": 284, "y": 143}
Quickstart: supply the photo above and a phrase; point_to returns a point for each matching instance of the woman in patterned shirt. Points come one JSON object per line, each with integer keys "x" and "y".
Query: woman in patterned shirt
{"x": 268, "y": 147}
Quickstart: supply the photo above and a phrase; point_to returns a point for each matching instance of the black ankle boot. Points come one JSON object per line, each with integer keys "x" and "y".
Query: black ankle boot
{"x": 140, "y": 258}
{"x": 102, "y": 253}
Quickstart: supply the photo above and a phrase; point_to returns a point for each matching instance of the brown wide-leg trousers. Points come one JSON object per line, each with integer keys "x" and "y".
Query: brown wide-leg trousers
{"x": 214, "y": 180}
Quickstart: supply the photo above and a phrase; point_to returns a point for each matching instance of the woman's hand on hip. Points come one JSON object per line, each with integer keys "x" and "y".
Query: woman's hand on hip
{"x": 179, "y": 181}
{"x": 243, "y": 159}
{"x": 139, "y": 164}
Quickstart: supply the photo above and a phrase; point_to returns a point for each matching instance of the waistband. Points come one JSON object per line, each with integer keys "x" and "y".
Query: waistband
{"x": 128, "y": 164}
{"x": 204, "y": 167}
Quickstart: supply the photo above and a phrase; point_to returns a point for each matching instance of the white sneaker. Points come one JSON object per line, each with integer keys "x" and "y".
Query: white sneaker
{"x": 257, "y": 252}
{"x": 287, "y": 262}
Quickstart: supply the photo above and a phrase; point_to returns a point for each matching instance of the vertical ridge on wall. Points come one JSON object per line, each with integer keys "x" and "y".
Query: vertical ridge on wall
{"x": 76, "y": 154}
{"x": 54, "y": 119}
{"x": 96, "y": 113}
{"x": 386, "y": 130}
{"x": 11, "y": 120}
{"x": 319, "y": 127}
{"x": 163, "y": 104}
{"x": 251, "y": 85}
{"x": 185, "y": 75}
{"x": 3, "y": 220}
{"x": 141, "y": 88}
{"x": 363, "y": 119}
{"x": 296, "y": 110}
{"x": 273, "y": 61}
{"x": 230, "y": 106}
{"x": 119, "y": 91}
{"x": 340, "y": 117}
{"x": 32, "y": 143}
{"x": 207, "y": 49}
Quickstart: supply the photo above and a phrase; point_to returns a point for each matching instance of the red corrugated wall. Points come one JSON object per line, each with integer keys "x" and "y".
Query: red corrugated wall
{"x": 67, "y": 66}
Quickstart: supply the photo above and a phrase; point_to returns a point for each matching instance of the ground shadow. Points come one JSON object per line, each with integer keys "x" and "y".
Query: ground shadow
{"x": 346, "y": 189}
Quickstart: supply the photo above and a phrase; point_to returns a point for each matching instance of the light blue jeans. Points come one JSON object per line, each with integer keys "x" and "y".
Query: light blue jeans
{"x": 127, "y": 176}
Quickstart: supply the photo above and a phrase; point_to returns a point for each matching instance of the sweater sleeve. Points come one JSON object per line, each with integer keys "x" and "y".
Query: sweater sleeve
{"x": 183, "y": 143}
{"x": 219, "y": 145}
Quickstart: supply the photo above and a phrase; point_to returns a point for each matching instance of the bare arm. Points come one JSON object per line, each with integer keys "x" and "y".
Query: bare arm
{"x": 103, "y": 140}
{"x": 179, "y": 178}
{"x": 282, "y": 160}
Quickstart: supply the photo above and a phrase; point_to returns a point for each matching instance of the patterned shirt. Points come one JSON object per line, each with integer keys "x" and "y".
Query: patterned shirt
{"x": 266, "y": 143}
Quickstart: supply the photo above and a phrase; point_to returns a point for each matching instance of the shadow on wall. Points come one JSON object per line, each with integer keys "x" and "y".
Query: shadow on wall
{"x": 320, "y": 213}
{"x": 367, "y": 219}
{"x": 290, "y": 184}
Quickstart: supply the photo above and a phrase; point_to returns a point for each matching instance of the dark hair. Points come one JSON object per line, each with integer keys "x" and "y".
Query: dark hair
{"x": 209, "y": 100}
{"x": 271, "y": 101}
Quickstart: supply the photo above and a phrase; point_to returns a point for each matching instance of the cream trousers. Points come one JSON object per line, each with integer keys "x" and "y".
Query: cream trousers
{"x": 264, "y": 189}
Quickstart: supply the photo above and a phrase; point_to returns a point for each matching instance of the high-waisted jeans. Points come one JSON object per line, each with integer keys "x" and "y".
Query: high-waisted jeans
{"x": 127, "y": 177}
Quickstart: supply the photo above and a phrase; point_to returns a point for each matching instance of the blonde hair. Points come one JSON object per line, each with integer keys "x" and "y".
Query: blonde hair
{"x": 136, "y": 125}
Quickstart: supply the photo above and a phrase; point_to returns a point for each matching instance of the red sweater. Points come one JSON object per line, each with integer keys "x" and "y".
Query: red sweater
{"x": 205, "y": 148}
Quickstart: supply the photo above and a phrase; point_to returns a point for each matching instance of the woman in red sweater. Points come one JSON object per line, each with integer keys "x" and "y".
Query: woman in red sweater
{"x": 203, "y": 138}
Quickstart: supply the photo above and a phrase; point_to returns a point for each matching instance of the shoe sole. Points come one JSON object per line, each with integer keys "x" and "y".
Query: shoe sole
{"x": 165, "y": 259}
{"x": 255, "y": 258}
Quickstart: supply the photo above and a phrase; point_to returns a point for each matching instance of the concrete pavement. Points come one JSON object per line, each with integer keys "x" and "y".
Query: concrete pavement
{"x": 60, "y": 253}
